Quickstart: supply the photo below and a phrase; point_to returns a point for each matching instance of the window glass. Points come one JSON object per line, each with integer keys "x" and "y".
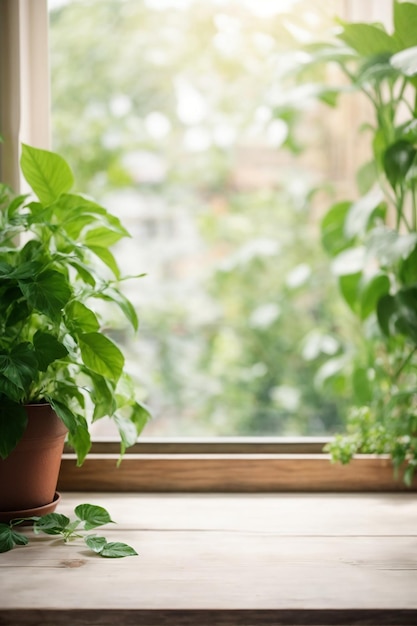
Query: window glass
{"x": 184, "y": 118}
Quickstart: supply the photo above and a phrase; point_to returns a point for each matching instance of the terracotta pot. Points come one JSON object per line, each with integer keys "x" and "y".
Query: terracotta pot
{"x": 29, "y": 475}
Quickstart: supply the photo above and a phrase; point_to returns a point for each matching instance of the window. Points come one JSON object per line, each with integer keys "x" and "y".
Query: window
{"x": 24, "y": 82}
{"x": 194, "y": 465}
{"x": 179, "y": 116}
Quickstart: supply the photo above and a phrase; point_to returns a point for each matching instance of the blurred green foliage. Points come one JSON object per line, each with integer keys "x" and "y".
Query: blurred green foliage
{"x": 186, "y": 107}
{"x": 372, "y": 241}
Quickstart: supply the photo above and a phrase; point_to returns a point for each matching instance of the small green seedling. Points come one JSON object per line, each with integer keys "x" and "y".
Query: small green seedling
{"x": 88, "y": 517}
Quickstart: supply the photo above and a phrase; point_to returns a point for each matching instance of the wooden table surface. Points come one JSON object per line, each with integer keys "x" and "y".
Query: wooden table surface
{"x": 225, "y": 559}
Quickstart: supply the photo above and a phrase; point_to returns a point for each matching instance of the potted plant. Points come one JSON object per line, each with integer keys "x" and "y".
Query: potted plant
{"x": 59, "y": 369}
{"x": 372, "y": 241}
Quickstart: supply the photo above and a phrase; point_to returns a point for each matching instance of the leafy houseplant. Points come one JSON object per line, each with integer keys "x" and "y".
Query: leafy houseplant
{"x": 55, "y": 263}
{"x": 87, "y": 517}
{"x": 373, "y": 242}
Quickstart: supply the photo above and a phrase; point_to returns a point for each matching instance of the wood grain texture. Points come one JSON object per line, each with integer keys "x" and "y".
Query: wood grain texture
{"x": 213, "y": 445}
{"x": 223, "y": 560}
{"x": 228, "y": 473}
{"x": 96, "y": 617}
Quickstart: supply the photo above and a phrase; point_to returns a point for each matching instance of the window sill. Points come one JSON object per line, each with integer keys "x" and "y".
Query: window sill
{"x": 160, "y": 467}
{"x": 237, "y": 559}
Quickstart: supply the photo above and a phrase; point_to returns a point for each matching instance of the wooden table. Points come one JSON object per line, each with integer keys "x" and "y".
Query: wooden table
{"x": 222, "y": 559}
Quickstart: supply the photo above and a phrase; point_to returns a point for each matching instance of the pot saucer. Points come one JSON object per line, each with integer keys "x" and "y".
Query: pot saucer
{"x": 6, "y": 516}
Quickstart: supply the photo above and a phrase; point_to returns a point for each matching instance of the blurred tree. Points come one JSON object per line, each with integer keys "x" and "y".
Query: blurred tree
{"x": 175, "y": 113}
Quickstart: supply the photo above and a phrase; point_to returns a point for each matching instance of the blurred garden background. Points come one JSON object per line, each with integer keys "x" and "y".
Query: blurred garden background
{"x": 202, "y": 125}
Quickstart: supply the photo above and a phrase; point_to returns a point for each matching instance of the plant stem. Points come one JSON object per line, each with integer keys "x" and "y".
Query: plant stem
{"x": 401, "y": 92}
{"x": 404, "y": 364}
{"x": 362, "y": 88}
{"x": 399, "y": 205}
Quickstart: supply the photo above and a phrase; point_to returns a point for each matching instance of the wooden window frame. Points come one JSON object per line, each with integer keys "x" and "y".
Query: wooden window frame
{"x": 155, "y": 465}
{"x": 24, "y": 83}
{"x": 226, "y": 465}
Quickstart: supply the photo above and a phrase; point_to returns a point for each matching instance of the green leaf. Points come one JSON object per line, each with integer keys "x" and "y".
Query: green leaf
{"x": 378, "y": 286}
{"x": 75, "y": 212}
{"x": 325, "y": 52}
{"x": 10, "y": 390}
{"x": 405, "y": 23}
{"x": 47, "y": 349}
{"x": 71, "y": 528}
{"x": 375, "y": 70}
{"x": 39, "y": 214}
{"x": 116, "y": 224}
{"x": 361, "y": 212}
{"x": 15, "y": 204}
{"x": 405, "y": 61}
{"x": 92, "y": 515}
{"x": 368, "y": 39}
{"x": 388, "y": 246}
{"x": 48, "y": 293}
{"x": 333, "y": 235}
{"x": 25, "y": 269}
{"x": 32, "y": 251}
{"x": 332, "y": 368}
{"x": 74, "y": 224}
{"x": 19, "y": 366}
{"x": 366, "y": 176}
{"x": 101, "y": 546}
{"x": 13, "y": 421}
{"x": 139, "y": 416}
{"x": 349, "y": 287}
{"x": 349, "y": 261}
{"x": 19, "y": 539}
{"x": 47, "y": 173}
{"x": 329, "y": 96}
{"x": 397, "y": 160}
{"x": 114, "y": 295}
{"x": 17, "y": 313}
{"x": 51, "y": 524}
{"x": 108, "y": 259}
{"x": 361, "y": 385}
{"x": 398, "y": 314}
{"x": 83, "y": 272}
{"x": 386, "y": 309}
{"x": 408, "y": 131}
{"x": 6, "y": 538}
{"x": 102, "y": 395}
{"x": 80, "y": 318}
{"x": 67, "y": 392}
{"x": 79, "y": 438}
{"x": 408, "y": 268}
{"x": 64, "y": 413}
{"x": 407, "y": 327}
{"x": 116, "y": 550}
{"x": 411, "y": 176}
{"x": 127, "y": 432}
{"x": 102, "y": 237}
{"x": 130, "y": 422}
{"x": 5, "y": 270}
{"x": 73, "y": 205}
{"x": 379, "y": 144}
{"x": 95, "y": 543}
{"x": 101, "y": 355}
{"x": 9, "y": 299}
{"x": 406, "y": 321}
